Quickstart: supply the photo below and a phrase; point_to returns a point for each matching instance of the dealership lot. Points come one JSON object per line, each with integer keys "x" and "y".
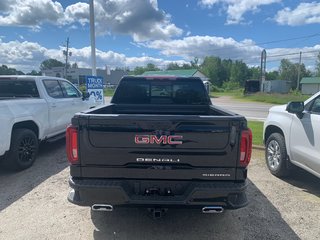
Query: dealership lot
{"x": 33, "y": 205}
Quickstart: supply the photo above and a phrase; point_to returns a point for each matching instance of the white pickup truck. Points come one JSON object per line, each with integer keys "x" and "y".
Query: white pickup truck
{"x": 292, "y": 136}
{"x": 33, "y": 109}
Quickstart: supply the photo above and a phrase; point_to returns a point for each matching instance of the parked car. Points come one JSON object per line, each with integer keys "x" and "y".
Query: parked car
{"x": 292, "y": 136}
{"x": 159, "y": 144}
{"x": 33, "y": 109}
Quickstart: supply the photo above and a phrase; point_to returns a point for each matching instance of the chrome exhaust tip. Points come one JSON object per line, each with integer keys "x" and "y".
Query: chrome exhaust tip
{"x": 213, "y": 209}
{"x": 102, "y": 207}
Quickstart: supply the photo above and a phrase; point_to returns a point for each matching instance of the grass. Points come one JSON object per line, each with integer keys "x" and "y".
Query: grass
{"x": 273, "y": 98}
{"x": 257, "y": 131}
{"x": 108, "y": 92}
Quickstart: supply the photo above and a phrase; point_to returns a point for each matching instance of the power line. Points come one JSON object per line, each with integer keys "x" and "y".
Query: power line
{"x": 288, "y": 54}
{"x": 268, "y": 42}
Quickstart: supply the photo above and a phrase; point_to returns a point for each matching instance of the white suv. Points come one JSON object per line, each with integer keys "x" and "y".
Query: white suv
{"x": 292, "y": 135}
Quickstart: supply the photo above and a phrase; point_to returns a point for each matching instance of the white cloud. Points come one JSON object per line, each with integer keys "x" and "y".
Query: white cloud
{"x": 31, "y": 13}
{"x": 305, "y": 13}
{"x": 201, "y": 46}
{"x": 26, "y": 56}
{"x": 78, "y": 12}
{"x": 237, "y": 8}
{"x": 142, "y": 19}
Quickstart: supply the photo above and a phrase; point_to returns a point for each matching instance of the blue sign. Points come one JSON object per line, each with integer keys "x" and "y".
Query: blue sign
{"x": 94, "y": 82}
{"x": 95, "y": 88}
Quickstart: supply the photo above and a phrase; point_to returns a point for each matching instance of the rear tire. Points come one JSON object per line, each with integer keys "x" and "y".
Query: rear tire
{"x": 276, "y": 155}
{"x": 23, "y": 150}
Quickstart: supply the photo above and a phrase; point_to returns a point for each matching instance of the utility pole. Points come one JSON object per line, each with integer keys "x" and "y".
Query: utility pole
{"x": 263, "y": 69}
{"x": 67, "y": 54}
{"x": 299, "y": 70}
{"x": 93, "y": 40}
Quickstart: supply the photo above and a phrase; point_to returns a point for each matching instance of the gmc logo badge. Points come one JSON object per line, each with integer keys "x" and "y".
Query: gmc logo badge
{"x": 153, "y": 139}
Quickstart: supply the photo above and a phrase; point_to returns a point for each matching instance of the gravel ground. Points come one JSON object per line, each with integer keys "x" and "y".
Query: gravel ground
{"x": 33, "y": 205}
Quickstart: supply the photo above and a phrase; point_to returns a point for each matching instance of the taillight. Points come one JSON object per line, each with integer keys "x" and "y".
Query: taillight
{"x": 72, "y": 144}
{"x": 245, "y": 147}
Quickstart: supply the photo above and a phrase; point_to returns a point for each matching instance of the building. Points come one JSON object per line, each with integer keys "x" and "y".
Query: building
{"x": 179, "y": 73}
{"x": 310, "y": 85}
{"x": 115, "y": 76}
{"x": 277, "y": 86}
{"x": 78, "y": 75}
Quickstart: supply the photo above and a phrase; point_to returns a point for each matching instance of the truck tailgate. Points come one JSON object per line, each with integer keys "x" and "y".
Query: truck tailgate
{"x": 203, "y": 147}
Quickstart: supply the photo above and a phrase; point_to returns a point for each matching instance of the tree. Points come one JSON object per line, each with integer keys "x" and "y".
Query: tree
{"x": 50, "y": 63}
{"x": 74, "y": 65}
{"x": 274, "y": 75}
{"x": 186, "y": 66}
{"x": 254, "y": 73}
{"x": 34, "y": 73}
{"x": 176, "y": 66}
{"x": 141, "y": 70}
{"x": 151, "y": 67}
{"x": 289, "y": 71}
{"x": 239, "y": 72}
{"x": 173, "y": 66}
{"x": 5, "y": 70}
{"x": 214, "y": 70}
{"x": 195, "y": 63}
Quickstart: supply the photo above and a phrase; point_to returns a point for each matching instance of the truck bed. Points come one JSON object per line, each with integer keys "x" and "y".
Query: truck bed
{"x": 149, "y": 149}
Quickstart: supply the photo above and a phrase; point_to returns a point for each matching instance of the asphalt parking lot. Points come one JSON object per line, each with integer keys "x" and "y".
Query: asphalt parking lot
{"x": 33, "y": 205}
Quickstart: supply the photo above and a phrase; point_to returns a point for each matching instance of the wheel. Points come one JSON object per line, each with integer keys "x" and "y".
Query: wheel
{"x": 276, "y": 155}
{"x": 23, "y": 150}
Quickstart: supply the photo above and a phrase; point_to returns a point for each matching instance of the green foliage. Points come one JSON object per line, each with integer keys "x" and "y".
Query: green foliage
{"x": 212, "y": 67}
{"x": 295, "y": 92}
{"x": 254, "y": 73}
{"x": 34, "y": 73}
{"x": 108, "y": 92}
{"x": 195, "y": 63}
{"x": 275, "y": 98}
{"x": 274, "y": 75}
{"x": 289, "y": 71}
{"x": 74, "y": 65}
{"x": 214, "y": 88}
{"x": 83, "y": 88}
{"x": 231, "y": 85}
{"x": 175, "y": 66}
{"x": 5, "y": 70}
{"x": 221, "y": 71}
{"x": 141, "y": 70}
{"x": 239, "y": 72}
{"x": 50, "y": 63}
{"x": 257, "y": 132}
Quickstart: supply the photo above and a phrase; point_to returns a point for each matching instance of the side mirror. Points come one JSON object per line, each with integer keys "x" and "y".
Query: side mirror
{"x": 85, "y": 96}
{"x": 296, "y": 108}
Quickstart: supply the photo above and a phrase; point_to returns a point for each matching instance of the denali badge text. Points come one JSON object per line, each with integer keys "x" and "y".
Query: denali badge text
{"x": 162, "y": 160}
{"x": 153, "y": 139}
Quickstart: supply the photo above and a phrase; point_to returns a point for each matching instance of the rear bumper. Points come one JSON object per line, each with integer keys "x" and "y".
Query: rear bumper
{"x": 86, "y": 192}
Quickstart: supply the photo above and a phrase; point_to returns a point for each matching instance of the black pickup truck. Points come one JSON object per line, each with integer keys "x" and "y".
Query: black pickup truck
{"x": 159, "y": 144}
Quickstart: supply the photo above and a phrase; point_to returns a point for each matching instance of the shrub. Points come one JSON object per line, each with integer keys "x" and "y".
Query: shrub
{"x": 230, "y": 85}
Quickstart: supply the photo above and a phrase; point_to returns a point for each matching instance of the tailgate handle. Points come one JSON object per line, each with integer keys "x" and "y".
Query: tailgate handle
{"x": 233, "y": 136}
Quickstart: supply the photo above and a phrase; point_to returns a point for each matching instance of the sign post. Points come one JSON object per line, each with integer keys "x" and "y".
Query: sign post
{"x": 95, "y": 88}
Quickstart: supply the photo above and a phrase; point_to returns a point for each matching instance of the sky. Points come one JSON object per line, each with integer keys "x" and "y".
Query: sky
{"x": 134, "y": 33}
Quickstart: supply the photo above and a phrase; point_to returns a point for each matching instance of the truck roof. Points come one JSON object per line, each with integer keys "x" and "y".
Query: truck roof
{"x": 26, "y": 77}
